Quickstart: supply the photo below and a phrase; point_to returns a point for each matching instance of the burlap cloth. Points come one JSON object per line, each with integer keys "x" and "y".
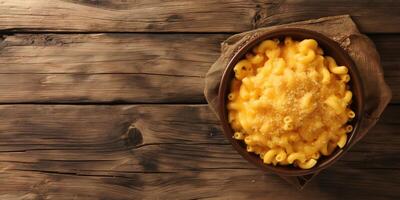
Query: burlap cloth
{"x": 344, "y": 31}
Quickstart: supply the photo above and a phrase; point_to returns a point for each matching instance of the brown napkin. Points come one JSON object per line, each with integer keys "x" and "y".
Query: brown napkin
{"x": 341, "y": 29}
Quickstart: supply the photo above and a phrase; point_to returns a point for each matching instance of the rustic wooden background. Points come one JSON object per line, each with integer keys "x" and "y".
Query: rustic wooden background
{"x": 103, "y": 99}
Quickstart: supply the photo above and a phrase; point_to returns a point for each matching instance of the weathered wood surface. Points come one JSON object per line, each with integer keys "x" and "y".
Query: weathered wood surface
{"x": 114, "y": 51}
{"x": 187, "y": 15}
{"x": 130, "y": 68}
{"x": 104, "y": 68}
{"x": 167, "y": 152}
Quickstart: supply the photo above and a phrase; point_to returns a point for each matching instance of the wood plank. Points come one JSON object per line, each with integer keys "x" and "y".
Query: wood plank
{"x": 170, "y": 54}
{"x": 211, "y": 184}
{"x": 188, "y": 15}
{"x": 105, "y": 68}
{"x": 160, "y": 151}
{"x": 132, "y": 68}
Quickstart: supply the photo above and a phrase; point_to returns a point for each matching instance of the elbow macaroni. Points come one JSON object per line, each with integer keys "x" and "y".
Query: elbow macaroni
{"x": 289, "y": 103}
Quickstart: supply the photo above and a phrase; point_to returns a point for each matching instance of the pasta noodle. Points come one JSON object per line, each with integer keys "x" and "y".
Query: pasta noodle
{"x": 289, "y": 103}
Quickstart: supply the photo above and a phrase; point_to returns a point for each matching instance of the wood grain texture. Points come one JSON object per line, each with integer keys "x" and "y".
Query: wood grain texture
{"x": 130, "y": 68}
{"x": 159, "y": 151}
{"x": 105, "y": 68}
{"x": 187, "y": 15}
{"x": 390, "y": 59}
{"x": 167, "y": 152}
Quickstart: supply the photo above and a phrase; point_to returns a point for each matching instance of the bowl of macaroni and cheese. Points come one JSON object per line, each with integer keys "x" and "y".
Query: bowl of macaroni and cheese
{"x": 291, "y": 101}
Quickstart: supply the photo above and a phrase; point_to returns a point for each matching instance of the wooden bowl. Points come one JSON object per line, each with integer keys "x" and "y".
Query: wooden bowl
{"x": 330, "y": 48}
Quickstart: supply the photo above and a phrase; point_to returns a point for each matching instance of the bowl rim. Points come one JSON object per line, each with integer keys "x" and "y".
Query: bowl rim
{"x": 355, "y": 80}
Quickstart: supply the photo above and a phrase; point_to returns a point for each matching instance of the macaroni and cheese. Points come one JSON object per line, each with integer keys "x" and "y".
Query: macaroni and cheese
{"x": 289, "y": 102}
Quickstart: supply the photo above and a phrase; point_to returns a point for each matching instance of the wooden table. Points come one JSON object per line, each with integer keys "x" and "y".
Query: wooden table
{"x": 103, "y": 99}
